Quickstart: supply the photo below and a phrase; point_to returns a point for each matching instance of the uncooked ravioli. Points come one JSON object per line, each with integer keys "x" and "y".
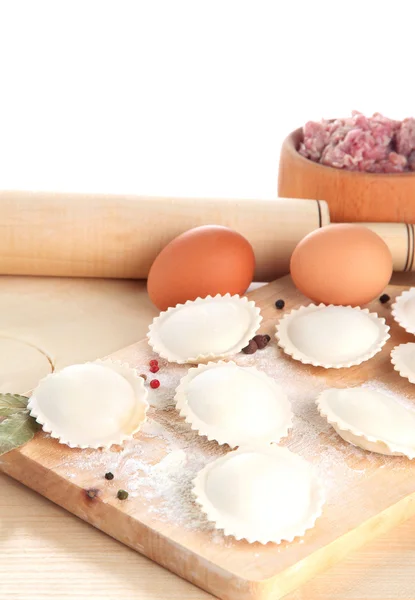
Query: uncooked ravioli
{"x": 403, "y": 360}
{"x": 372, "y": 419}
{"x": 332, "y": 336}
{"x": 336, "y": 333}
{"x": 234, "y": 405}
{"x": 90, "y": 405}
{"x": 263, "y": 493}
{"x": 204, "y": 329}
{"x": 403, "y": 310}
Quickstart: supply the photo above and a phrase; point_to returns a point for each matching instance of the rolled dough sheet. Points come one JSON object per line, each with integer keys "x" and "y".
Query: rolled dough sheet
{"x": 21, "y": 365}
{"x": 49, "y": 323}
{"x": 52, "y": 322}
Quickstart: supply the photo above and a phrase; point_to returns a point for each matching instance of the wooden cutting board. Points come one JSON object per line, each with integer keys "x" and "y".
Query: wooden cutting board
{"x": 367, "y": 494}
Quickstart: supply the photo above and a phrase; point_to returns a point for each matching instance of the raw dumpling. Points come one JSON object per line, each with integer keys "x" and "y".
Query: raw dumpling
{"x": 332, "y": 336}
{"x": 371, "y": 419}
{"x": 204, "y": 329}
{"x": 233, "y": 405}
{"x": 90, "y": 405}
{"x": 261, "y": 494}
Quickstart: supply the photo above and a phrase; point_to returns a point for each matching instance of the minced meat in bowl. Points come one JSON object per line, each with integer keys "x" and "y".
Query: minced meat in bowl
{"x": 374, "y": 144}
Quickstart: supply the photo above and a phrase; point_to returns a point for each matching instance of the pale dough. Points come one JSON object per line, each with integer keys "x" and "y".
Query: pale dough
{"x": 21, "y": 366}
{"x": 90, "y": 405}
{"x": 371, "y": 419}
{"x": 403, "y": 360}
{"x": 403, "y": 310}
{"x": 332, "y": 336}
{"x": 68, "y": 320}
{"x": 203, "y": 329}
{"x": 260, "y": 493}
{"x": 234, "y": 405}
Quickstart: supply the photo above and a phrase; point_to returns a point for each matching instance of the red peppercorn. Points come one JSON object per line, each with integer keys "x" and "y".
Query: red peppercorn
{"x": 154, "y": 384}
{"x": 154, "y": 369}
{"x": 154, "y": 363}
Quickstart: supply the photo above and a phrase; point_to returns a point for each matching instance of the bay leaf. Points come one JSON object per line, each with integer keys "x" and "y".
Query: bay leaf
{"x": 11, "y": 404}
{"x": 16, "y": 430}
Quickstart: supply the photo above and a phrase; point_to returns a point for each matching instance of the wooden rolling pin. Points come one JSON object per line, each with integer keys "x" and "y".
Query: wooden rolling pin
{"x": 399, "y": 237}
{"x": 98, "y": 235}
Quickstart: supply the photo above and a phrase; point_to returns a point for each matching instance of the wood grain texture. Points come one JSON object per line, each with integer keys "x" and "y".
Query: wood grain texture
{"x": 399, "y": 238}
{"x": 119, "y": 236}
{"x": 351, "y": 196}
{"x": 368, "y": 493}
{"x": 116, "y": 236}
{"x": 47, "y": 553}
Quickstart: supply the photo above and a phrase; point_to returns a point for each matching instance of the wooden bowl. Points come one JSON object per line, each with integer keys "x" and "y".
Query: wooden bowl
{"x": 352, "y": 196}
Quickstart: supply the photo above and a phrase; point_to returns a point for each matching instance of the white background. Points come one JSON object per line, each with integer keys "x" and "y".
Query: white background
{"x": 175, "y": 97}
{"x": 187, "y": 98}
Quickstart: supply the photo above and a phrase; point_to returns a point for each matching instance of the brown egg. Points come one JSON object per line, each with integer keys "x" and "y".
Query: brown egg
{"x": 341, "y": 264}
{"x": 203, "y": 261}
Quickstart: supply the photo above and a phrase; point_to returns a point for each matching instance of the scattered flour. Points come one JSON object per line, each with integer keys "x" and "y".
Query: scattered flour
{"x": 405, "y": 397}
{"x": 159, "y": 475}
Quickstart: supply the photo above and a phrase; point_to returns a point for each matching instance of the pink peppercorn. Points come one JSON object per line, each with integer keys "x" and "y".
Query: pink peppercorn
{"x": 154, "y": 384}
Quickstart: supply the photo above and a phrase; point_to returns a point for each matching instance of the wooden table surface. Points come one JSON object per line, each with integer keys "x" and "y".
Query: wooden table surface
{"x": 47, "y": 553}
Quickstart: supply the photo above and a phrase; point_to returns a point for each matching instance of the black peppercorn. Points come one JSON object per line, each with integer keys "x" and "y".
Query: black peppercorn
{"x": 251, "y": 348}
{"x": 122, "y": 495}
{"x": 261, "y": 341}
{"x": 280, "y": 304}
{"x": 109, "y": 476}
{"x": 384, "y": 298}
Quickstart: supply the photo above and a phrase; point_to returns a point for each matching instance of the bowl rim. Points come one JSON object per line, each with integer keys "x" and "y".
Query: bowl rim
{"x": 292, "y": 140}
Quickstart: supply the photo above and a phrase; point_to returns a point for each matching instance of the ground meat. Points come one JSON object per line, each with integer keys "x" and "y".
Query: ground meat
{"x": 394, "y": 163}
{"x": 405, "y": 137}
{"x": 358, "y": 143}
{"x": 316, "y": 137}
